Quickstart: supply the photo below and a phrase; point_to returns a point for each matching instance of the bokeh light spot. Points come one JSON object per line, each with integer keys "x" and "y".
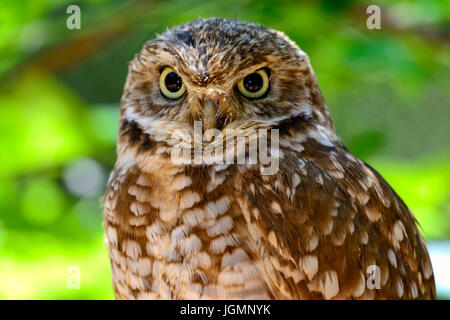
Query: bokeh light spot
{"x": 85, "y": 178}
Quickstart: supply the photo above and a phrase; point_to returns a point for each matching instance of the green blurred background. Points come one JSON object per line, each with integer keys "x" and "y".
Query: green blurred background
{"x": 60, "y": 89}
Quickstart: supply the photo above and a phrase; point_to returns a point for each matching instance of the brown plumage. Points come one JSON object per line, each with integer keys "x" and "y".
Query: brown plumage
{"x": 206, "y": 230}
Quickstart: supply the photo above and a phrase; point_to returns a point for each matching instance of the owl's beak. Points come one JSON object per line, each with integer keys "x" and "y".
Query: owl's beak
{"x": 210, "y": 114}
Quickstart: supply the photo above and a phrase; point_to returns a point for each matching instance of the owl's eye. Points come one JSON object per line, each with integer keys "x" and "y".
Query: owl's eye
{"x": 170, "y": 83}
{"x": 255, "y": 85}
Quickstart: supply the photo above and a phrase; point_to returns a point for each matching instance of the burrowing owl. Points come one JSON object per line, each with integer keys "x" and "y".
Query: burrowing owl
{"x": 322, "y": 225}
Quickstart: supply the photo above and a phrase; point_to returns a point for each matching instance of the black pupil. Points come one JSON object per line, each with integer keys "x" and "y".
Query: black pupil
{"x": 173, "y": 82}
{"x": 253, "y": 82}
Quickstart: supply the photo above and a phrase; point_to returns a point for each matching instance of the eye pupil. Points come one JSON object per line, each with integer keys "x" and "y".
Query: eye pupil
{"x": 170, "y": 84}
{"x": 253, "y": 82}
{"x": 173, "y": 82}
{"x": 255, "y": 85}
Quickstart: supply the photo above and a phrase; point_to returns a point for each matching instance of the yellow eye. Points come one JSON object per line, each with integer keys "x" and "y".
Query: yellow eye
{"x": 170, "y": 83}
{"x": 255, "y": 85}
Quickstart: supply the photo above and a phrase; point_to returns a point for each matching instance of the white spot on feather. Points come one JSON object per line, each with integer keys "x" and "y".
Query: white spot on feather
{"x": 219, "y": 244}
{"x": 319, "y": 179}
{"x": 295, "y": 180}
{"x": 179, "y": 233}
{"x": 392, "y": 258}
{"x": 221, "y": 226}
{"x": 180, "y": 182}
{"x": 373, "y": 213}
{"x": 188, "y": 199}
{"x": 399, "y": 286}
{"x": 273, "y": 239}
{"x": 330, "y": 284}
{"x": 230, "y": 260}
{"x": 200, "y": 259}
{"x": 112, "y": 235}
{"x": 141, "y": 266}
{"x": 322, "y": 135}
{"x": 313, "y": 242}
{"x": 217, "y": 208}
{"x": 427, "y": 269}
{"x": 131, "y": 248}
{"x": 414, "y": 291}
{"x": 399, "y": 230}
{"x": 191, "y": 244}
{"x": 193, "y": 217}
{"x": 139, "y": 208}
{"x": 310, "y": 265}
{"x": 154, "y": 232}
{"x": 276, "y": 207}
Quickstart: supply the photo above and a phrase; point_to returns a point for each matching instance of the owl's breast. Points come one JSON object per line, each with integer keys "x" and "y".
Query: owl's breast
{"x": 176, "y": 232}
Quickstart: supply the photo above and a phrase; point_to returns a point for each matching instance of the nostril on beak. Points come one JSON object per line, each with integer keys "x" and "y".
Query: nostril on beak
{"x": 216, "y": 101}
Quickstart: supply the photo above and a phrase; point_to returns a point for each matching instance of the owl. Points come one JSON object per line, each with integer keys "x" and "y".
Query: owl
{"x": 321, "y": 225}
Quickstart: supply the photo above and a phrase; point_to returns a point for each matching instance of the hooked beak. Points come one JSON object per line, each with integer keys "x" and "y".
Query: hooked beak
{"x": 209, "y": 119}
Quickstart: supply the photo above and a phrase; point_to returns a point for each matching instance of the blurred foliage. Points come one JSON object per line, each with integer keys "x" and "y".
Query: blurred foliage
{"x": 60, "y": 91}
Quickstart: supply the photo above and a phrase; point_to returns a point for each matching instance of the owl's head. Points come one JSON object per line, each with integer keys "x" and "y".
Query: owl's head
{"x": 224, "y": 73}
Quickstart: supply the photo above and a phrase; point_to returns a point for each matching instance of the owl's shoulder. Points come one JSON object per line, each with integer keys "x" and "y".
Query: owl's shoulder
{"x": 330, "y": 216}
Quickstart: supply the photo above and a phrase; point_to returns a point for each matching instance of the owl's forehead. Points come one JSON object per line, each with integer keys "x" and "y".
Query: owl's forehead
{"x": 209, "y": 50}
